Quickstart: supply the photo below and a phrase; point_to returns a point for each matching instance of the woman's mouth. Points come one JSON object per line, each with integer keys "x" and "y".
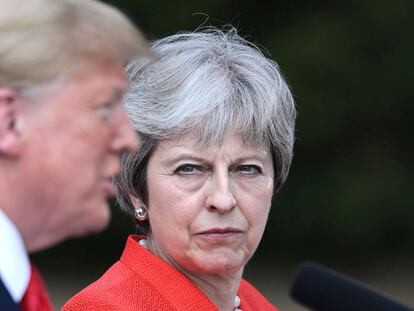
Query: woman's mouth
{"x": 221, "y": 233}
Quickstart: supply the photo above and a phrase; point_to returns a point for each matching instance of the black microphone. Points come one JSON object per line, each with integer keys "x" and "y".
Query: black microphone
{"x": 322, "y": 289}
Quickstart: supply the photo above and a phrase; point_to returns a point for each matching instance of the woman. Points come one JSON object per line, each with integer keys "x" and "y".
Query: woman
{"x": 216, "y": 121}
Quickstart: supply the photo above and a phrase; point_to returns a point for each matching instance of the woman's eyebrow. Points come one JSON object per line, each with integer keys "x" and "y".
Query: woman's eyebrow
{"x": 257, "y": 157}
{"x": 191, "y": 157}
{"x": 184, "y": 156}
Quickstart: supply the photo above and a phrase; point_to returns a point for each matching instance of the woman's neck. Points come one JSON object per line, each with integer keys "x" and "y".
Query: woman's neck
{"x": 221, "y": 289}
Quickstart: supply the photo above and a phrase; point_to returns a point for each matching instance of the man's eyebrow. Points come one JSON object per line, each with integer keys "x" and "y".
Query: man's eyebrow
{"x": 117, "y": 94}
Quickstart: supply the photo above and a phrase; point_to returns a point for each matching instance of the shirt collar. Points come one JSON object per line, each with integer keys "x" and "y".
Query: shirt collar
{"x": 14, "y": 260}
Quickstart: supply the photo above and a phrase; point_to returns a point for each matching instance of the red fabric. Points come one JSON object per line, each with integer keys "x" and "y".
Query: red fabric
{"x": 141, "y": 281}
{"x": 36, "y": 298}
{"x": 252, "y": 300}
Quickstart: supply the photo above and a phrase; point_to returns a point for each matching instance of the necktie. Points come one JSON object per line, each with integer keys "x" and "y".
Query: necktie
{"x": 35, "y": 298}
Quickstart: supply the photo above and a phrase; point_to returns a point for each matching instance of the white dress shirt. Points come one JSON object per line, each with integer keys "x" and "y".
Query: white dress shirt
{"x": 14, "y": 261}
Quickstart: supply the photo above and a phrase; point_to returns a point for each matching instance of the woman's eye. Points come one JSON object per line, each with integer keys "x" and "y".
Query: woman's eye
{"x": 249, "y": 170}
{"x": 188, "y": 169}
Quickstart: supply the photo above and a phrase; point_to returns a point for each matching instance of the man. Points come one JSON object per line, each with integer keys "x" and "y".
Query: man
{"x": 62, "y": 129}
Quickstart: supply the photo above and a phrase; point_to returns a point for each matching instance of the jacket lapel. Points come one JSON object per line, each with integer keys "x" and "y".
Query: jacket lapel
{"x": 6, "y": 301}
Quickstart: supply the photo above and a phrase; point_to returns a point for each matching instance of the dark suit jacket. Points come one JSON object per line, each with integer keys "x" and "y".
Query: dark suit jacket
{"x": 6, "y": 301}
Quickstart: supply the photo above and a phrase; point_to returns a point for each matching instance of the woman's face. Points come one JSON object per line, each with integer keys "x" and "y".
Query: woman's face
{"x": 208, "y": 206}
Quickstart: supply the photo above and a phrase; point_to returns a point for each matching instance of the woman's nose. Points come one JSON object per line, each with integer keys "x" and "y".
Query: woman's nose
{"x": 220, "y": 197}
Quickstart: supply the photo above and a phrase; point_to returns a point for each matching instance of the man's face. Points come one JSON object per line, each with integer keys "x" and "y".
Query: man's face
{"x": 75, "y": 135}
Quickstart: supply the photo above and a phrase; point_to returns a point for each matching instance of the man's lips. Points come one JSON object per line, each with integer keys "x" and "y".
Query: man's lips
{"x": 108, "y": 186}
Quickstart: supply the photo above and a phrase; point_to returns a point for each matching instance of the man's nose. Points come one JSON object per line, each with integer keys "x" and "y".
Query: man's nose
{"x": 126, "y": 139}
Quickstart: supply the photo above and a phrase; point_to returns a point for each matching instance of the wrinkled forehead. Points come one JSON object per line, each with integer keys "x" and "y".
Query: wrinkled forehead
{"x": 204, "y": 137}
{"x": 197, "y": 139}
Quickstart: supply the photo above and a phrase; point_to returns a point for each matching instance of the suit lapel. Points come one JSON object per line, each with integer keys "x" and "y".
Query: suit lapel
{"x": 6, "y": 301}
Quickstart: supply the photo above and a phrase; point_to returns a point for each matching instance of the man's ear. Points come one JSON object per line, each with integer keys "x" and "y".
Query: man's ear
{"x": 10, "y": 113}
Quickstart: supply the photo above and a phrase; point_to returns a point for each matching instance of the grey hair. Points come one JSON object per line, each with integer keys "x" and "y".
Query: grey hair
{"x": 42, "y": 40}
{"x": 212, "y": 83}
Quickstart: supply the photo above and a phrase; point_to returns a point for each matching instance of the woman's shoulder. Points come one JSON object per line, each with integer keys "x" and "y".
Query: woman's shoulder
{"x": 140, "y": 281}
{"x": 118, "y": 289}
{"x": 99, "y": 295}
{"x": 252, "y": 299}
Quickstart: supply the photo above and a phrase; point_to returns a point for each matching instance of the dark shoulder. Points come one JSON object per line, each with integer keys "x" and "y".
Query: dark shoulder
{"x": 252, "y": 299}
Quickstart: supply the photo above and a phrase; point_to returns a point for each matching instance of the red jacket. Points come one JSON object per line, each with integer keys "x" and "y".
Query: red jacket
{"x": 141, "y": 281}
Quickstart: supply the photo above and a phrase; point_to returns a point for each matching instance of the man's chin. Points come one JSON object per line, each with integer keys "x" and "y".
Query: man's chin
{"x": 77, "y": 227}
{"x": 96, "y": 223}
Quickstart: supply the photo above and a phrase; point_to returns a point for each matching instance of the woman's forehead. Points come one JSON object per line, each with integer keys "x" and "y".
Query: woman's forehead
{"x": 192, "y": 143}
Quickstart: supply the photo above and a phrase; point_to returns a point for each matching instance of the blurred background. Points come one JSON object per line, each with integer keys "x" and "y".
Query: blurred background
{"x": 347, "y": 202}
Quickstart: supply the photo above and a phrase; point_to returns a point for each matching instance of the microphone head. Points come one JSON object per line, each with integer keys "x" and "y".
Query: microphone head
{"x": 323, "y": 289}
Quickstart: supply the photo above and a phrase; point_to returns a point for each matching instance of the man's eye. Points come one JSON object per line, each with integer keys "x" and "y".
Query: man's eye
{"x": 249, "y": 169}
{"x": 106, "y": 109}
{"x": 188, "y": 169}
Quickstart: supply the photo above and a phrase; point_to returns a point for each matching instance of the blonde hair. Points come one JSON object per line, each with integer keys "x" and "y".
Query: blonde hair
{"x": 41, "y": 40}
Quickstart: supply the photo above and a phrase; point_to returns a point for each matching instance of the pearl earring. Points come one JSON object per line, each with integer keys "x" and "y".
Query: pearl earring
{"x": 140, "y": 213}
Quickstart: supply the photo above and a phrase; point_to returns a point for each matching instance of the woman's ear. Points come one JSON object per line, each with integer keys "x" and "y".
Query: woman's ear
{"x": 10, "y": 114}
{"x": 137, "y": 203}
{"x": 140, "y": 210}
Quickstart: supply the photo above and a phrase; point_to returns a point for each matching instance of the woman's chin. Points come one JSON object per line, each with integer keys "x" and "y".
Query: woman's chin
{"x": 220, "y": 264}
